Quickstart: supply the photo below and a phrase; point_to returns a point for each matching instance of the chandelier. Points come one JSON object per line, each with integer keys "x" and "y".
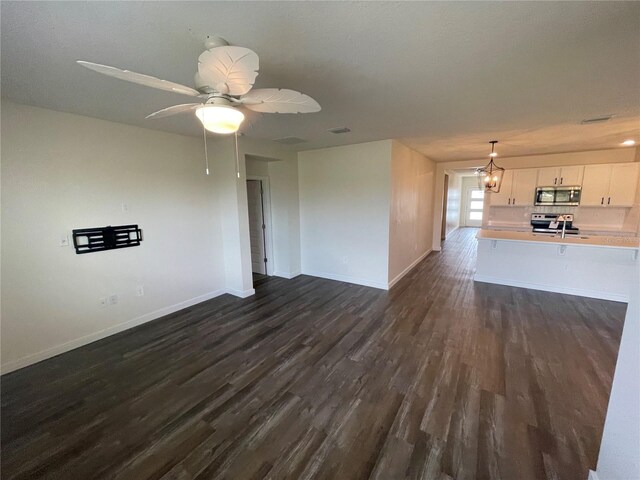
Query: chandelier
{"x": 490, "y": 176}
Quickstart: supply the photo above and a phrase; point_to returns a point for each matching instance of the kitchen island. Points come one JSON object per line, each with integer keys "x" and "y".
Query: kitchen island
{"x": 586, "y": 265}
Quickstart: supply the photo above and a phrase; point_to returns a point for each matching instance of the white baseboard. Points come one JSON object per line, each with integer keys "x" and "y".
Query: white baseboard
{"x": 593, "y": 475}
{"x": 409, "y": 268}
{"x": 240, "y": 293}
{"x": 286, "y": 275}
{"x": 581, "y": 292}
{"x": 347, "y": 278}
{"x": 99, "y": 335}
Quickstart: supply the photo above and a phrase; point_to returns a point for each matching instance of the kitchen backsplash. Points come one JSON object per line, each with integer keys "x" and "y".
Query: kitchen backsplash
{"x": 610, "y": 219}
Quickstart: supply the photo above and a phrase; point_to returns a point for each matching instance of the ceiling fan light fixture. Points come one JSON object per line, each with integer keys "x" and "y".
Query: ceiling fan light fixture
{"x": 220, "y": 118}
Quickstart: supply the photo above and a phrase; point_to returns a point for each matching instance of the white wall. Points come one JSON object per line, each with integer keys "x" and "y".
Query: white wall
{"x": 62, "y": 171}
{"x": 454, "y": 202}
{"x": 285, "y": 205}
{"x": 344, "y": 212}
{"x": 411, "y": 209}
{"x": 619, "y": 457}
{"x": 257, "y": 165}
{"x": 285, "y": 209}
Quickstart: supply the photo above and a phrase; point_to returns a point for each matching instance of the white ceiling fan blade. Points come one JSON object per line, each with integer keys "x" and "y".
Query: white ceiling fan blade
{"x": 140, "y": 78}
{"x": 174, "y": 110}
{"x": 274, "y": 100}
{"x": 230, "y": 70}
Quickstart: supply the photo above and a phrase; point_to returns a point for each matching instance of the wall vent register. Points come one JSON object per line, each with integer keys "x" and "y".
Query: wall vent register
{"x": 87, "y": 240}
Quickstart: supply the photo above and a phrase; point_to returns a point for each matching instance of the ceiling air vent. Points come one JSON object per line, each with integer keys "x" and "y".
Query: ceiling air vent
{"x": 290, "y": 140}
{"x": 339, "y": 130}
{"x": 603, "y": 118}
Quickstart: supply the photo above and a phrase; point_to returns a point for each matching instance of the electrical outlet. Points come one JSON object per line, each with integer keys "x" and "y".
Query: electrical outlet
{"x": 113, "y": 299}
{"x": 345, "y": 260}
{"x": 125, "y": 207}
{"x": 103, "y": 302}
{"x": 140, "y": 290}
{"x": 64, "y": 241}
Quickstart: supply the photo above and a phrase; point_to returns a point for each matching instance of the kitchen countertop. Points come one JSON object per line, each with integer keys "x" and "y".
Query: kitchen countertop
{"x": 585, "y": 230}
{"x": 603, "y": 241}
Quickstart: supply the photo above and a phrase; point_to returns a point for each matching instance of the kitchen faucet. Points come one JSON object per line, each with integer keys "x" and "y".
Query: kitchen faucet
{"x": 563, "y": 219}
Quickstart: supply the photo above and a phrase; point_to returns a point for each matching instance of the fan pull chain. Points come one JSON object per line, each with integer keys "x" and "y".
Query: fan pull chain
{"x": 206, "y": 156}
{"x": 237, "y": 157}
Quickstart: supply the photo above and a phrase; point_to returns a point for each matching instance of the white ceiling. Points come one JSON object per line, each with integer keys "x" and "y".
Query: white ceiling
{"x": 444, "y": 77}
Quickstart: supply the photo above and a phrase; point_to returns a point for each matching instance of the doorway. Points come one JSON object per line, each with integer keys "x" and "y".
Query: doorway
{"x": 257, "y": 202}
{"x": 473, "y": 207}
{"x": 445, "y": 199}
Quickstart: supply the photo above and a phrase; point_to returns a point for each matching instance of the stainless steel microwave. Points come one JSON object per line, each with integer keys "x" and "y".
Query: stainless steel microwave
{"x": 557, "y": 196}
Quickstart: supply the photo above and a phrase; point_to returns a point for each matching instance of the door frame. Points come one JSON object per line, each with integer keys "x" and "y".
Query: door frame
{"x": 465, "y": 207}
{"x": 266, "y": 199}
{"x": 445, "y": 201}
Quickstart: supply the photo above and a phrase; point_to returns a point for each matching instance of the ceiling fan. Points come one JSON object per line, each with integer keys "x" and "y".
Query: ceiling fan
{"x": 223, "y": 83}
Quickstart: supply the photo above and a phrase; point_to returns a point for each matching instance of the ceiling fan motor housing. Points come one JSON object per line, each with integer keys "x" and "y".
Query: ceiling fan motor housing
{"x": 201, "y": 85}
{"x": 213, "y": 41}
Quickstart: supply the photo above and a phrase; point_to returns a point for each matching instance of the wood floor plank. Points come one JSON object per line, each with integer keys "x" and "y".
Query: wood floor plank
{"x": 439, "y": 378}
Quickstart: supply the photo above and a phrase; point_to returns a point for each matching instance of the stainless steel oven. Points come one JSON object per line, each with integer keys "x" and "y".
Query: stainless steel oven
{"x": 558, "y": 196}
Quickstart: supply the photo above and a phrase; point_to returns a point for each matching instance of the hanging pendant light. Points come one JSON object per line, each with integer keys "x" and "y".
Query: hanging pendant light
{"x": 490, "y": 176}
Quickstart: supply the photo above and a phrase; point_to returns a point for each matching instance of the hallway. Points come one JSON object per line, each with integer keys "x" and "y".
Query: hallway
{"x": 439, "y": 378}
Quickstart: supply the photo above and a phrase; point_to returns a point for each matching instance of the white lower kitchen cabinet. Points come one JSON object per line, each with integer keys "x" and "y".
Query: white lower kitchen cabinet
{"x": 596, "y": 267}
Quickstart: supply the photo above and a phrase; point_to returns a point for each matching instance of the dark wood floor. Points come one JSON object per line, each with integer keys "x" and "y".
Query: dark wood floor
{"x": 440, "y": 378}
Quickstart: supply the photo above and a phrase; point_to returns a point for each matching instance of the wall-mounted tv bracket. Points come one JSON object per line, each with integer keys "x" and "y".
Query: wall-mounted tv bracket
{"x": 87, "y": 240}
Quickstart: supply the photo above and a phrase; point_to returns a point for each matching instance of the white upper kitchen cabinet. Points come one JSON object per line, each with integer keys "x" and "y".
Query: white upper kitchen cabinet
{"x": 548, "y": 176}
{"x": 610, "y": 185}
{"x": 623, "y": 184}
{"x": 523, "y": 188}
{"x": 517, "y": 189}
{"x": 504, "y": 196}
{"x": 571, "y": 176}
{"x": 595, "y": 185}
{"x": 555, "y": 176}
